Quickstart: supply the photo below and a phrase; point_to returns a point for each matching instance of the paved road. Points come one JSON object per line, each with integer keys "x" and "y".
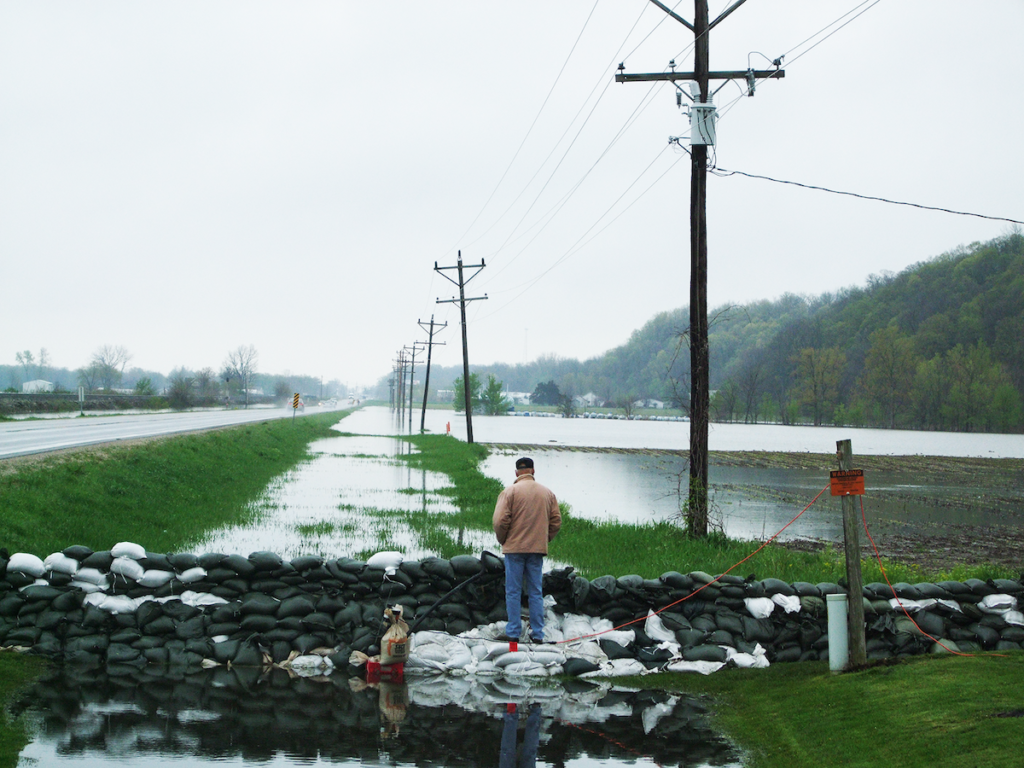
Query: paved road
{"x": 20, "y": 438}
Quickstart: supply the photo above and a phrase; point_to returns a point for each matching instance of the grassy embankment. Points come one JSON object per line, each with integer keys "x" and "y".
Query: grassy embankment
{"x": 162, "y": 493}
{"x": 933, "y": 711}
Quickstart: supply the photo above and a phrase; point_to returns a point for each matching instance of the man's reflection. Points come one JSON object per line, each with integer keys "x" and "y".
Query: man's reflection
{"x": 528, "y": 751}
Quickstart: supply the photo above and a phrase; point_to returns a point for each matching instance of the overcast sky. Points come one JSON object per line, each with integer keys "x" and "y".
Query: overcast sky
{"x": 181, "y": 177}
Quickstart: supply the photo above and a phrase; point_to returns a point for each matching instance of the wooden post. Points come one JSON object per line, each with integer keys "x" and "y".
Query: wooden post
{"x": 854, "y": 580}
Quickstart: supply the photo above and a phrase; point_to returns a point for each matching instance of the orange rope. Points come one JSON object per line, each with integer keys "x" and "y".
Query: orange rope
{"x": 885, "y": 576}
{"x": 703, "y": 586}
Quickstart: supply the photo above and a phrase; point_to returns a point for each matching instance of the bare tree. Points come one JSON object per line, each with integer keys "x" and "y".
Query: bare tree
{"x": 241, "y": 366}
{"x": 107, "y": 365}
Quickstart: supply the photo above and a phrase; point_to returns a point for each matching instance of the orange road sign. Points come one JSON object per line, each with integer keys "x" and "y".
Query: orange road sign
{"x": 847, "y": 482}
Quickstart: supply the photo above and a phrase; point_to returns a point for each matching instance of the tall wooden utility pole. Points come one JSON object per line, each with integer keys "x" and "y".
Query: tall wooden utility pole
{"x": 702, "y": 135}
{"x": 467, "y": 389}
{"x": 417, "y": 346}
{"x": 430, "y": 348}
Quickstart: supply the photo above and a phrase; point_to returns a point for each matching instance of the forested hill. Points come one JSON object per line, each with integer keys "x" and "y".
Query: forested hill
{"x": 938, "y": 346}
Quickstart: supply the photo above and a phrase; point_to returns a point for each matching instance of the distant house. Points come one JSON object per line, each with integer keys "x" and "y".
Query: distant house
{"x": 518, "y": 398}
{"x": 592, "y": 400}
{"x": 37, "y": 385}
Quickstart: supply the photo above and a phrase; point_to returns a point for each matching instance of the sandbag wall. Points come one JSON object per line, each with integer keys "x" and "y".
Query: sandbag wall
{"x": 789, "y": 620}
{"x": 127, "y": 606}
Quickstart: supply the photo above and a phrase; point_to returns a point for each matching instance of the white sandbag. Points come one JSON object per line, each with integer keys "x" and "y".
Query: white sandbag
{"x": 585, "y": 649}
{"x": 485, "y": 668}
{"x": 58, "y": 562}
{"x": 36, "y": 583}
{"x": 129, "y": 550}
{"x": 656, "y": 630}
{"x": 88, "y": 587}
{"x": 30, "y": 565}
{"x": 154, "y": 578}
{"x": 389, "y": 561}
{"x": 701, "y": 667}
{"x": 788, "y": 603}
{"x": 309, "y": 663}
{"x": 539, "y": 657}
{"x": 111, "y": 603}
{"x": 1014, "y": 617}
{"x": 575, "y": 626}
{"x": 127, "y": 567}
{"x": 759, "y": 607}
{"x": 200, "y": 599}
{"x": 621, "y": 636}
{"x": 434, "y": 653}
{"x": 93, "y": 576}
{"x": 755, "y": 660}
{"x": 997, "y": 604}
{"x": 191, "y": 575}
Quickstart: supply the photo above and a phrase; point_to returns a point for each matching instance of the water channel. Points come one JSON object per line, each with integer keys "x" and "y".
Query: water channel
{"x": 158, "y": 717}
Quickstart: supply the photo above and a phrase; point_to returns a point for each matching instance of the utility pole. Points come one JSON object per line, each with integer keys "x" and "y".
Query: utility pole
{"x": 854, "y": 579}
{"x": 416, "y": 347}
{"x": 467, "y": 390}
{"x": 430, "y": 348}
{"x": 400, "y": 388}
{"x": 702, "y": 134}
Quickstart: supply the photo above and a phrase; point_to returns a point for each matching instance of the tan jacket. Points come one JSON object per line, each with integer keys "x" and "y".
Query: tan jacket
{"x": 526, "y": 517}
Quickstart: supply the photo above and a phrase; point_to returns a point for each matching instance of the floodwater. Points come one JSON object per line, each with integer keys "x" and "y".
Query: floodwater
{"x": 602, "y": 433}
{"x": 93, "y": 718}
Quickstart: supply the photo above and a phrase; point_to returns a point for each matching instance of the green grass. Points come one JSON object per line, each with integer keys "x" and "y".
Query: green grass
{"x": 162, "y": 494}
{"x": 925, "y": 712}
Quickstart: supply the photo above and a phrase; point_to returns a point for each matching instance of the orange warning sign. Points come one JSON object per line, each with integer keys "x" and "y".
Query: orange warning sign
{"x": 847, "y": 482}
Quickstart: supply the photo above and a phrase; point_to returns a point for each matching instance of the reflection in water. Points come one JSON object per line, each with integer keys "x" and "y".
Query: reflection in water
{"x": 158, "y": 717}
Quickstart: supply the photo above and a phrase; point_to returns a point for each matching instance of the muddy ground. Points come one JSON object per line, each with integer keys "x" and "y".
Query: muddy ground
{"x": 939, "y": 549}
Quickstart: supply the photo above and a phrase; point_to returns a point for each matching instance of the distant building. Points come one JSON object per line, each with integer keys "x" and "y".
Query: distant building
{"x": 518, "y": 398}
{"x": 37, "y": 385}
{"x": 592, "y": 400}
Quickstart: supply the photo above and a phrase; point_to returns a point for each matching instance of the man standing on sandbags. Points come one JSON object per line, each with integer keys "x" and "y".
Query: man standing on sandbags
{"x": 526, "y": 518}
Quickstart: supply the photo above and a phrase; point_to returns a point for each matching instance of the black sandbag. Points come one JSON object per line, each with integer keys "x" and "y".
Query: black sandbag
{"x": 1007, "y": 645}
{"x": 654, "y": 658}
{"x": 58, "y": 579}
{"x": 331, "y": 604}
{"x": 730, "y": 622}
{"x": 119, "y": 653}
{"x": 101, "y": 561}
{"x": 372, "y": 576}
{"x": 390, "y": 589}
{"x": 987, "y": 636}
{"x": 465, "y": 566}
{"x": 96, "y": 618}
{"x": 255, "y": 602}
{"x": 265, "y": 561}
{"x": 156, "y": 562}
{"x": 828, "y": 588}
{"x": 701, "y": 577}
{"x": 730, "y": 579}
{"x": 774, "y": 587}
{"x": 1006, "y": 586}
{"x": 304, "y": 563}
{"x": 704, "y": 622}
{"x": 19, "y": 580}
{"x": 787, "y": 631}
{"x": 68, "y": 601}
{"x": 438, "y": 568}
{"x": 226, "y": 651}
{"x": 287, "y": 593}
{"x": 705, "y": 653}
{"x": 29, "y": 610}
{"x": 414, "y": 570}
{"x": 955, "y": 588}
{"x": 677, "y": 580}
{"x": 993, "y": 620}
{"x": 190, "y": 628}
{"x": 755, "y": 589}
{"x": 23, "y": 636}
{"x": 615, "y": 651}
{"x": 240, "y": 565}
{"x": 617, "y": 614}
{"x": 605, "y": 589}
{"x": 156, "y": 655}
{"x": 455, "y": 626}
{"x": 576, "y": 667}
{"x": 41, "y": 592}
{"x": 906, "y": 591}
{"x": 808, "y": 655}
{"x": 183, "y": 561}
{"x": 721, "y": 637}
{"x": 979, "y": 588}
{"x": 11, "y": 604}
{"x": 258, "y": 622}
{"x": 372, "y": 613}
{"x": 162, "y": 625}
{"x": 1012, "y": 633}
{"x": 221, "y": 575}
{"x": 280, "y": 634}
{"x": 222, "y": 628}
{"x": 180, "y": 611}
{"x": 810, "y": 633}
{"x": 674, "y": 621}
{"x": 933, "y": 591}
{"x": 296, "y": 606}
{"x": 225, "y": 593}
{"x": 398, "y": 576}
{"x": 350, "y": 615}
{"x": 267, "y": 586}
{"x": 92, "y": 644}
{"x": 806, "y": 589}
{"x": 971, "y": 610}
{"x": 248, "y": 655}
{"x": 280, "y": 651}
{"x": 492, "y": 563}
{"x": 455, "y": 611}
{"x": 792, "y": 653}
{"x": 76, "y": 552}
{"x": 815, "y": 606}
{"x": 125, "y": 635}
{"x": 211, "y": 560}
{"x": 630, "y": 582}
{"x": 316, "y": 622}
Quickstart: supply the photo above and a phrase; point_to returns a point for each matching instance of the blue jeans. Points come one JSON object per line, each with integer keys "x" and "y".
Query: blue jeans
{"x": 520, "y": 568}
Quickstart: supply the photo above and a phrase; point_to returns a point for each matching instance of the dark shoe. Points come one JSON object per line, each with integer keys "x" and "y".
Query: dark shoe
{"x": 537, "y": 640}
{"x": 506, "y": 639}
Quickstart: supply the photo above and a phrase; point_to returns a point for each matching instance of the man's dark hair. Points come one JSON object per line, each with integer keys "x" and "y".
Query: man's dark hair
{"x": 524, "y": 463}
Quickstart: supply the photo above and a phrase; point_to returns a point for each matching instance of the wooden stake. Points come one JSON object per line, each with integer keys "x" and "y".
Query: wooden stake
{"x": 854, "y": 580}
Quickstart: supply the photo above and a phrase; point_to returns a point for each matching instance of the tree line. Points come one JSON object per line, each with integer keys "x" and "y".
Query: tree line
{"x": 237, "y": 381}
{"x": 937, "y": 346}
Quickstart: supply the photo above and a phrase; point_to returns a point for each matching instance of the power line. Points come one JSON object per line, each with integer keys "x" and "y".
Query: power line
{"x": 723, "y": 172}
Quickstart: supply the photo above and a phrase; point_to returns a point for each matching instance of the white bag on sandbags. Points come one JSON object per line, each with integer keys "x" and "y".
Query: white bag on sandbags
{"x": 129, "y": 550}
{"x": 93, "y": 576}
{"x": 759, "y": 607}
{"x": 192, "y": 574}
{"x": 788, "y": 603}
{"x": 88, "y": 587}
{"x": 997, "y": 604}
{"x": 24, "y": 563}
{"x": 389, "y": 561}
{"x": 755, "y": 660}
{"x": 701, "y": 667}
{"x": 199, "y": 599}
{"x": 127, "y": 567}
{"x": 656, "y": 629}
{"x": 154, "y": 578}
{"x": 111, "y": 603}
{"x": 58, "y": 562}
{"x": 544, "y": 657}
{"x": 1014, "y": 617}
{"x": 618, "y": 668}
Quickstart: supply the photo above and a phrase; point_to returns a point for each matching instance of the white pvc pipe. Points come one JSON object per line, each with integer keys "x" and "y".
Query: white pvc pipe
{"x": 838, "y": 633}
